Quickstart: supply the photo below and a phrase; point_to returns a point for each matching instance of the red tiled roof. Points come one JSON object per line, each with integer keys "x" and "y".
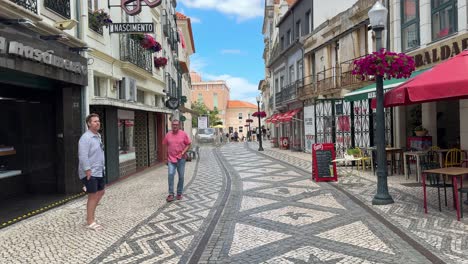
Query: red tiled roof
{"x": 180, "y": 16}
{"x": 240, "y": 104}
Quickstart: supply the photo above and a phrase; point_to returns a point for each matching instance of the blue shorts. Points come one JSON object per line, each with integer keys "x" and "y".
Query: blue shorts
{"x": 94, "y": 184}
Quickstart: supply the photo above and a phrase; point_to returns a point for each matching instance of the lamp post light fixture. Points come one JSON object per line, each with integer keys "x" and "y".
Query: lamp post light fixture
{"x": 260, "y": 147}
{"x": 378, "y": 20}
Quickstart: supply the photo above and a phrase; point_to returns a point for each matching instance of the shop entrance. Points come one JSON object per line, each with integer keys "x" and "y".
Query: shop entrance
{"x": 28, "y": 171}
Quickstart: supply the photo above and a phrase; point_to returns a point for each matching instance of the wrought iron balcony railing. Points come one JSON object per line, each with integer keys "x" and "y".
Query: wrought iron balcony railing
{"x": 131, "y": 51}
{"x": 93, "y": 24}
{"x": 31, "y": 5}
{"x": 328, "y": 79}
{"x": 61, "y": 7}
{"x": 347, "y": 78}
{"x": 307, "y": 87}
{"x": 278, "y": 98}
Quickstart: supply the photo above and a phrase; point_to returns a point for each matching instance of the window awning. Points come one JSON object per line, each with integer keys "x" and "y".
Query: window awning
{"x": 286, "y": 117}
{"x": 368, "y": 92}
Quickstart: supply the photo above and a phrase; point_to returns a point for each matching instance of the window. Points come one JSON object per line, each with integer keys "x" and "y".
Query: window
{"x": 97, "y": 86}
{"x": 140, "y": 96}
{"x": 291, "y": 74}
{"x": 281, "y": 82}
{"x": 299, "y": 70}
{"x": 289, "y": 37}
{"x": 240, "y": 115}
{"x": 277, "y": 88}
{"x": 282, "y": 42}
{"x": 93, "y": 5}
{"x": 444, "y": 17}
{"x": 200, "y": 98}
{"x": 241, "y": 129}
{"x": 409, "y": 24}
{"x": 298, "y": 29}
{"x": 215, "y": 100}
{"x": 126, "y": 125}
{"x": 308, "y": 22}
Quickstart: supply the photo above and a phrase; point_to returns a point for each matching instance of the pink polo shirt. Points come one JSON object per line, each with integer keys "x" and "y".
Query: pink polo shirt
{"x": 176, "y": 143}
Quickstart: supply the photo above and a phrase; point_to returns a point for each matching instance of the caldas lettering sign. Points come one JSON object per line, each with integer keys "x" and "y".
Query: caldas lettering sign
{"x": 133, "y": 7}
{"x": 21, "y": 50}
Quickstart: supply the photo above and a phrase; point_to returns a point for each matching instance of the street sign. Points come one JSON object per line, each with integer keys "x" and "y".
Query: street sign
{"x": 323, "y": 169}
{"x": 131, "y": 28}
{"x": 202, "y": 122}
{"x": 172, "y": 103}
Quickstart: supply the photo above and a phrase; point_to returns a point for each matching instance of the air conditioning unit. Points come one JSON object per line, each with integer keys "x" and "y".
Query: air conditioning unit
{"x": 129, "y": 89}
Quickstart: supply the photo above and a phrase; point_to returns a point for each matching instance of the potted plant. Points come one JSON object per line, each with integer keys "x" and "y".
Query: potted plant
{"x": 420, "y": 131}
{"x": 160, "y": 62}
{"x": 353, "y": 151}
{"x": 99, "y": 19}
{"x": 261, "y": 114}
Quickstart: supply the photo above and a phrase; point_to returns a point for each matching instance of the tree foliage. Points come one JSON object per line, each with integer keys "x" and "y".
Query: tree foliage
{"x": 202, "y": 110}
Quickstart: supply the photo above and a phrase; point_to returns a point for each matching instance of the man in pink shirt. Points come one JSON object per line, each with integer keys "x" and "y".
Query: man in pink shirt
{"x": 178, "y": 143}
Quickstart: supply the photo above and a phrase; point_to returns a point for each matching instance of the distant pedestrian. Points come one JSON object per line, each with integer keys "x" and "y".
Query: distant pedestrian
{"x": 91, "y": 168}
{"x": 178, "y": 143}
{"x": 264, "y": 132}
{"x": 268, "y": 133}
{"x": 236, "y": 136}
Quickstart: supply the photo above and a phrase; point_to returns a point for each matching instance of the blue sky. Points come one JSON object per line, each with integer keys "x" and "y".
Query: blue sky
{"x": 228, "y": 42}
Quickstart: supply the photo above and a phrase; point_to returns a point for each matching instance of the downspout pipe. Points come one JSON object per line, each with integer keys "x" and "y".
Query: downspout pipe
{"x": 80, "y": 35}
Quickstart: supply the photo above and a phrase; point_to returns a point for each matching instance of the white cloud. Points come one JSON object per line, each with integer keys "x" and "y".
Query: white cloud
{"x": 197, "y": 63}
{"x": 241, "y": 9}
{"x": 241, "y": 88}
{"x": 195, "y": 20}
{"x": 231, "y": 51}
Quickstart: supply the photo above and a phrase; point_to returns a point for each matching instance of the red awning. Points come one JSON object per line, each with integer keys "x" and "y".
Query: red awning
{"x": 445, "y": 81}
{"x": 286, "y": 117}
{"x": 275, "y": 118}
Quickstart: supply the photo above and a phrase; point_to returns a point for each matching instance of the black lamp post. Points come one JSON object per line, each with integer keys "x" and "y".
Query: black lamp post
{"x": 260, "y": 148}
{"x": 378, "y": 20}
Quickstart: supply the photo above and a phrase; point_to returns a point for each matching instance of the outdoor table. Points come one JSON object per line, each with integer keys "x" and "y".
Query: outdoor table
{"x": 389, "y": 150}
{"x": 451, "y": 171}
{"x": 416, "y": 154}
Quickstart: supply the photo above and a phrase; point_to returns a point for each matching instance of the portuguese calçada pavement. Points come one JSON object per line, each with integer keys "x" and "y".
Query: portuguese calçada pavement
{"x": 243, "y": 206}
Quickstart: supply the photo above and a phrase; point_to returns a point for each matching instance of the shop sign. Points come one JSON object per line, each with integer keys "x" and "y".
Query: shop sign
{"x": 441, "y": 51}
{"x": 133, "y": 7}
{"x": 46, "y": 57}
{"x": 131, "y": 28}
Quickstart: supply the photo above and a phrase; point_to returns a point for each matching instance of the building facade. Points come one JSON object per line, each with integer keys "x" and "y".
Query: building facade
{"x": 237, "y": 114}
{"x": 214, "y": 94}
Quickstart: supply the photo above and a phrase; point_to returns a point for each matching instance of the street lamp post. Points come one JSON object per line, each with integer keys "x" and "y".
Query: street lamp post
{"x": 378, "y": 20}
{"x": 260, "y": 148}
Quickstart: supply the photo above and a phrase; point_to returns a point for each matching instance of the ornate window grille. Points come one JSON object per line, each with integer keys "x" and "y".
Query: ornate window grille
{"x": 61, "y": 7}
{"x": 28, "y": 4}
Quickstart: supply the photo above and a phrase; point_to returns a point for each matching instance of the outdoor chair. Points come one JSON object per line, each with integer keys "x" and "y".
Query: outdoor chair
{"x": 434, "y": 180}
{"x": 364, "y": 159}
{"x": 453, "y": 158}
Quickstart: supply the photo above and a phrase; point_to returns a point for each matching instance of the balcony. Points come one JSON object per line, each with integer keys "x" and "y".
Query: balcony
{"x": 278, "y": 99}
{"x": 61, "y": 7}
{"x": 327, "y": 80}
{"x": 30, "y": 5}
{"x": 131, "y": 51}
{"x": 348, "y": 80}
{"x": 93, "y": 25}
{"x": 307, "y": 87}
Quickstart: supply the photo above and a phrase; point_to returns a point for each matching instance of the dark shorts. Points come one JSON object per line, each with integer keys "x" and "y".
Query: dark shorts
{"x": 94, "y": 184}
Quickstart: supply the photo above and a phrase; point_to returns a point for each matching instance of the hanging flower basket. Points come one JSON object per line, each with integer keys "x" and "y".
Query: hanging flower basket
{"x": 261, "y": 114}
{"x": 160, "y": 62}
{"x": 99, "y": 19}
{"x": 249, "y": 120}
{"x": 384, "y": 63}
{"x": 147, "y": 42}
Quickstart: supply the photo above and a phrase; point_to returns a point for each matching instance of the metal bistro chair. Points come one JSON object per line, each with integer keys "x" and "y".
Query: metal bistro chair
{"x": 428, "y": 162}
{"x": 453, "y": 158}
{"x": 364, "y": 159}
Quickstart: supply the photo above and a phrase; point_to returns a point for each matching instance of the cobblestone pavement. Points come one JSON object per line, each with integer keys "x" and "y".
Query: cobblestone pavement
{"x": 240, "y": 206}
{"x": 59, "y": 235}
{"x": 276, "y": 214}
{"x": 439, "y": 232}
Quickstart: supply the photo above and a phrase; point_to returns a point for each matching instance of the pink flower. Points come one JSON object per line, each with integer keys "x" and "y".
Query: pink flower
{"x": 384, "y": 63}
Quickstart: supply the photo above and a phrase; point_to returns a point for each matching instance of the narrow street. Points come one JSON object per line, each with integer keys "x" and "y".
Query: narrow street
{"x": 240, "y": 206}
